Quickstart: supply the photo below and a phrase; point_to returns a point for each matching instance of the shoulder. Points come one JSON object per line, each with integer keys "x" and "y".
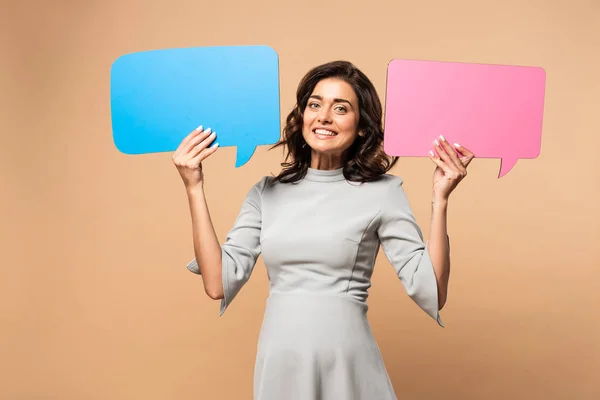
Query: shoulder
{"x": 391, "y": 180}
{"x": 254, "y": 196}
{"x": 265, "y": 184}
{"x": 384, "y": 184}
{"x": 382, "y": 192}
{"x": 259, "y": 187}
{"x": 388, "y": 192}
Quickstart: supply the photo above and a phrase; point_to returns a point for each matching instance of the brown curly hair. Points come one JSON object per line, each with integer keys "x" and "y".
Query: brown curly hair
{"x": 365, "y": 159}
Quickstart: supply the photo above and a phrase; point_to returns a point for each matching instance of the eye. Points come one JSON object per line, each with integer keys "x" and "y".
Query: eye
{"x": 341, "y": 109}
{"x": 313, "y": 105}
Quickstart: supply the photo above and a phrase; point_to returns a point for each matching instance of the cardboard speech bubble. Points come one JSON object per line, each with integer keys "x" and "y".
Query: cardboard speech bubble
{"x": 159, "y": 96}
{"x": 494, "y": 110}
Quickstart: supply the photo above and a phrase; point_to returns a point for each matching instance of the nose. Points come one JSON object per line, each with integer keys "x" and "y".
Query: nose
{"x": 324, "y": 115}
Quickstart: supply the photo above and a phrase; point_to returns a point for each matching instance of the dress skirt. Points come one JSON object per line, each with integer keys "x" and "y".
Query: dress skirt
{"x": 318, "y": 347}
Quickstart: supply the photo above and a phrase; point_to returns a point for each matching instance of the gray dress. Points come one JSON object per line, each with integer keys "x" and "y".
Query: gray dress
{"x": 319, "y": 239}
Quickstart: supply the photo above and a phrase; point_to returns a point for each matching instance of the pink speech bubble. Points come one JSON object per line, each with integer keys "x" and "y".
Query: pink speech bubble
{"x": 496, "y": 111}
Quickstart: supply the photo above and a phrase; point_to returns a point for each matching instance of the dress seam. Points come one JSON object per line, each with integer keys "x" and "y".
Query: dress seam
{"x": 358, "y": 249}
{"x": 382, "y": 206}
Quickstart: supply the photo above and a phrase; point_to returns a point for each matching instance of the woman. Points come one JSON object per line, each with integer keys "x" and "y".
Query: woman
{"x": 319, "y": 225}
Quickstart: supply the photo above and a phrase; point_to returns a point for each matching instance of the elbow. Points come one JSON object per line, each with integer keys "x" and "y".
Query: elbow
{"x": 442, "y": 292}
{"x": 441, "y": 302}
{"x": 215, "y": 294}
{"x": 213, "y": 286}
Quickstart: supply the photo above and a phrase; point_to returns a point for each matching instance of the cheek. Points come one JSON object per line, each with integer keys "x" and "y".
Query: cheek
{"x": 307, "y": 123}
{"x": 348, "y": 125}
{"x": 308, "y": 118}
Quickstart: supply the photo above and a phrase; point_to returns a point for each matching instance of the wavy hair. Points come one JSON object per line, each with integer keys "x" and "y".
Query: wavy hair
{"x": 365, "y": 160}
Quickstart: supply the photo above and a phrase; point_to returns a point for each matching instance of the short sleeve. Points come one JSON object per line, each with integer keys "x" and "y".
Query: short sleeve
{"x": 241, "y": 248}
{"x": 402, "y": 242}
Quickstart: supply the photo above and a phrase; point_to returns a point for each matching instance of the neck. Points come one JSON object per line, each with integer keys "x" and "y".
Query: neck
{"x": 325, "y": 162}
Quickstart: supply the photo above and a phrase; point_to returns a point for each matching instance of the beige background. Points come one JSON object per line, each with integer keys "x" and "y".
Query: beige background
{"x": 95, "y": 300}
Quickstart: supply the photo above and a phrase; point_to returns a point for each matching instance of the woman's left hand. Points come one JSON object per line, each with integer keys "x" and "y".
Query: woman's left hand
{"x": 451, "y": 167}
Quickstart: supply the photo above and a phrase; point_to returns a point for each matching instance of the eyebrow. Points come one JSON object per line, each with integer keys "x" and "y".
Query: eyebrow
{"x": 315, "y": 96}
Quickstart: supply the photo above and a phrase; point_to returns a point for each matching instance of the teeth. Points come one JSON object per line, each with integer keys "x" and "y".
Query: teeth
{"x": 324, "y": 132}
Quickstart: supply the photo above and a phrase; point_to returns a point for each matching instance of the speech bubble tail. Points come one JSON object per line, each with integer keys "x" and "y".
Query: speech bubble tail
{"x": 243, "y": 155}
{"x": 506, "y": 164}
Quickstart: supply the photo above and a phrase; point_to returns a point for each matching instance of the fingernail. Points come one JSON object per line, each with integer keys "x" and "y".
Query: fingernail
{"x": 431, "y": 152}
{"x": 214, "y": 145}
{"x": 436, "y": 142}
{"x": 199, "y": 128}
{"x": 442, "y": 137}
{"x": 457, "y": 145}
{"x": 208, "y": 130}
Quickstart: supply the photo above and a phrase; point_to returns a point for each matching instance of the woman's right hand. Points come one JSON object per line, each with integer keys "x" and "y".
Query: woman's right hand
{"x": 188, "y": 157}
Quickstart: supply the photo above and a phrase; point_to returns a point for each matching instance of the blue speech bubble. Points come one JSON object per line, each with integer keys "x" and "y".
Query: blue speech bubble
{"x": 159, "y": 96}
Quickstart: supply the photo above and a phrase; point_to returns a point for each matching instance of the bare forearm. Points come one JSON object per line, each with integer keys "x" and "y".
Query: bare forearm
{"x": 439, "y": 248}
{"x": 206, "y": 244}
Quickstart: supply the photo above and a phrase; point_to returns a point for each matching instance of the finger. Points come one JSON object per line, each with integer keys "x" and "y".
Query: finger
{"x": 442, "y": 153}
{"x": 198, "y": 138}
{"x": 184, "y": 145}
{"x": 189, "y": 149}
{"x": 452, "y": 154}
{"x": 192, "y": 135}
{"x": 450, "y": 169}
{"x": 440, "y": 162}
{"x": 467, "y": 155}
{"x": 203, "y": 142}
{"x": 204, "y": 154}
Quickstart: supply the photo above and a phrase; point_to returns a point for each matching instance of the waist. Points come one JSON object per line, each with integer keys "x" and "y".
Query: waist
{"x": 316, "y": 301}
{"x": 304, "y": 319}
{"x": 299, "y": 310}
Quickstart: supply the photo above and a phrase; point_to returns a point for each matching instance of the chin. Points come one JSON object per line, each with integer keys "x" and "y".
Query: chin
{"x": 326, "y": 148}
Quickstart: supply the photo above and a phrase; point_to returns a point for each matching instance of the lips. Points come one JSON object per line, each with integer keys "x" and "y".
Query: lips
{"x": 324, "y": 132}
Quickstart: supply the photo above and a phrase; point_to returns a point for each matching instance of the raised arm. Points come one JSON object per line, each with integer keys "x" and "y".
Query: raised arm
{"x": 207, "y": 249}
{"x": 240, "y": 250}
{"x": 439, "y": 249}
{"x": 188, "y": 159}
{"x": 451, "y": 168}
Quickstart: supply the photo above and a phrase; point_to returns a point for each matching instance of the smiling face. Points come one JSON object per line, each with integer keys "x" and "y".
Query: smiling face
{"x": 330, "y": 123}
